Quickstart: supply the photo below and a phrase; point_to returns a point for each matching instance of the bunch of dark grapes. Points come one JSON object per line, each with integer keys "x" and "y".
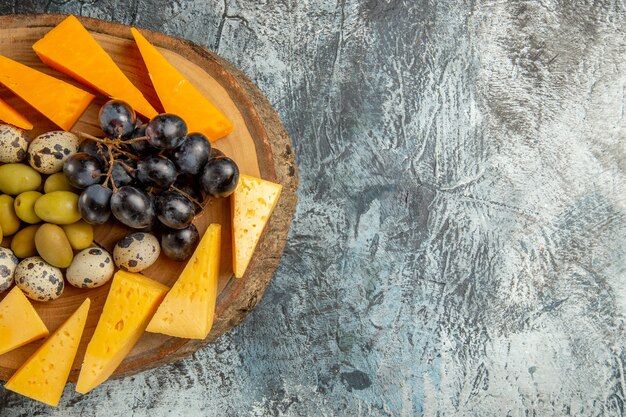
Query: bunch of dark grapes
{"x": 153, "y": 176}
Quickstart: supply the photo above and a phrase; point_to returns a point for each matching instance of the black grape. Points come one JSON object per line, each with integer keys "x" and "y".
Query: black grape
{"x": 174, "y": 210}
{"x": 117, "y": 119}
{"x": 133, "y": 207}
{"x": 166, "y": 131}
{"x": 82, "y": 170}
{"x": 219, "y": 177}
{"x": 93, "y": 204}
{"x": 191, "y": 156}
{"x": 179, "y": 244}
{"x": 156, "y": 171}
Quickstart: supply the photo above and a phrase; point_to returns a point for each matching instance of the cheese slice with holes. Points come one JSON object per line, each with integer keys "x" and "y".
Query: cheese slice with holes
{"x": 19, "y": 322}
{"x": 132, "y": 300}
{"x": 188, "y": 308}
{"x": 252, "y": 204}
{"x": 179, "y": 96}
{"x": 11, "y": 116}
{"x": 59, "y": 101}
{"x": 71, "y": 49}
{"x": 44, "y": 374}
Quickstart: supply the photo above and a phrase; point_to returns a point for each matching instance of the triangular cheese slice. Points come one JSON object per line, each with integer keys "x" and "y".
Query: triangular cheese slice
{"x": 57, "y": 100}
{"x": 19, "y": 322}
{"x": 179, "y": 97}
{"x": 9, "y": 115}
{"x": 44, "y": 374}
{"x": 252, "y": 204}
{"x": 132, "y": 300}
{"x": 188, "y": 308}
{"x": 71, "y": 49}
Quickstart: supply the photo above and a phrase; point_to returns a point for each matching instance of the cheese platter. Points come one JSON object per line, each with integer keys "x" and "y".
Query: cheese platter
{"x": 163, "y": 286}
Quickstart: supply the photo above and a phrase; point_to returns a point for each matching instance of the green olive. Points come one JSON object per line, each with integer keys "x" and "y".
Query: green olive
{"x": 58, "y": 207}
{"x": 24, "y": 206}
{"x": 17, "y": 178}
{"x": 9, "y": 221}
{"x": 53, "y": 246}
{"x": 23, "y": 243}
{"x": 1, "y": 234}
{"x": 80, "y": 234}
{"x": 57, "y": 182}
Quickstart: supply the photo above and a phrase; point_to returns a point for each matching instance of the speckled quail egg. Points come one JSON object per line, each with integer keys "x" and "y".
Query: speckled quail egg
{"x": 48, "y": 152}
{"x": 38, "y": 279}
{"x": 8, "y": 263}
{"x": 13, "y": 144}
{"x": 91, "y": 268}
{"x": 136, "y": 251}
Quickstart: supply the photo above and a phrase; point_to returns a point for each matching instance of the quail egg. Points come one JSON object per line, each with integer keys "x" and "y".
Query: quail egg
{"x": 13, "y": 144}
{"x": 136, "y": 252}
{"x": 38, "y": 279}
{"x": 8, "y": 263}
{"x": 48, "y": 152}
{"x": 91, "y": 268}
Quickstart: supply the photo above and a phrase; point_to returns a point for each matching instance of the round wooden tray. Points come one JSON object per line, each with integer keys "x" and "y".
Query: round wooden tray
{"x": 259, "y": 145}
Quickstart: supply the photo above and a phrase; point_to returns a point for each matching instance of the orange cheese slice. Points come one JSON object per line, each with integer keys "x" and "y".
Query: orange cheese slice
{"x": 57, "y": 100}
{"x": 19, "y": 322}
{"x": 188, "y": 308}
{"x": 179, "y": 97}
{"x": 9, "y": 115}
{"x": 132, "y": 300}
{"x": 44, "y": 374}
{"x": 70, "y": 48}
{"x": 252, "y": 204}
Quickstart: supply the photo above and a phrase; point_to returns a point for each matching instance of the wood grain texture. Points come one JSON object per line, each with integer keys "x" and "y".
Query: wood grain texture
{"x": 249, "y": 145}
{"x": 458, "y": 247}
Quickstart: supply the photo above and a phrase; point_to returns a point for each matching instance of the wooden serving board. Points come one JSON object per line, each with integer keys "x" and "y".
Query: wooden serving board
{"x": 259, "y": 145}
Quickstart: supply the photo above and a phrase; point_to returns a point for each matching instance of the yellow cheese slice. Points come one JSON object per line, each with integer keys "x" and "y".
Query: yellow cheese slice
{"x": 252, "y": 204}
{"x": 43, "y": 376}
{"x": 179, "y": 96}
{"x": 9, "y": 115}
{"x": 188, "y": 308}
{"x": 71, "y": 49}
{"x": 132, "y": 300}
{"x": 59, "y": 101}
{"x": 19, "y": 322}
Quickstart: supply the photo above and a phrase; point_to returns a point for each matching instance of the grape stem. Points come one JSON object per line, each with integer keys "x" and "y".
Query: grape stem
{"x": 104, "y": 141}
{"x": 135, "y": 140}
{"x": 127, "y": 167}
{"x": 115, "y": 148}
{"x": 110, "y": 172}
{"x": 127, "y": 154}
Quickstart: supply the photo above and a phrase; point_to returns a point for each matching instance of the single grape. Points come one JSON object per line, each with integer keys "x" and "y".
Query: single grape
{"x": 179, "y": 244}
{"x": 123, "y": 172}
{"x": 174, "y": 210}
{"x": 117, "y": 119}
{"x": 82, "y": 170}
{"x": 219, "y": 177}
{"x": 166, "y": 131}
{"x": 133, "y": 207}
{"x": 191, "y": 156}
{"x": 215, "y": 153}
{"x": 189, "y": 185}
{"x": 156, "y": 171}
{"x": 95, "y": 149}
{"x": 93, "y": 204}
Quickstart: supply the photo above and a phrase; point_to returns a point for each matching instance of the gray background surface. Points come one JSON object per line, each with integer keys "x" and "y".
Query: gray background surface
{"x": 460, "y": 239}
